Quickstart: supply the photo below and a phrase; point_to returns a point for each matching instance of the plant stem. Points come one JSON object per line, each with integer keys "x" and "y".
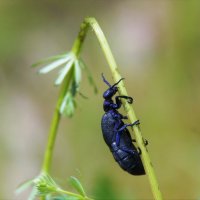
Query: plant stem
{"x": 56, "y": 117}
{"x": 74, "y": 195}
{"x": 70, "y": 194}
{"x": 91, "y": 22}
{"x": 54, "y": 126}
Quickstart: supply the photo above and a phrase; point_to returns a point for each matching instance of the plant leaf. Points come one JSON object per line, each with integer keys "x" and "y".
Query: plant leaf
{"x": 33, "y": 194}
{"x": 63, "y": 72}
{"x": 54, "y": 65}
{"x": 77, "y": 185}
{"x": 50, "y": 59}
{"x": 23, "y": 186}
{"x": 67, "y": 107}
{"x": 77, "y": 73}
{"x": 45, "y": 185}
{"x": 89, "y": 76}
{"x": 73, "y": 89}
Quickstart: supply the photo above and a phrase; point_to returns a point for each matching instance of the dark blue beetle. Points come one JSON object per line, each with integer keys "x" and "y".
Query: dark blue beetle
{"x": 116, "y": 134}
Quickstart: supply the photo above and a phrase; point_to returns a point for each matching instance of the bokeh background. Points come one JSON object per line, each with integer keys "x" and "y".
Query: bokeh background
{"x": 156, "y": 45}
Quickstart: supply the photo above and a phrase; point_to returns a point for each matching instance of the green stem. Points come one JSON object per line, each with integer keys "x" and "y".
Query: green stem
{"x": 70, "y": 194}
{"x": 91, "y": 22}
{"x": 54, "y": 127}
{"x": 56, "y": 117}
{"x": 74, "y": 195}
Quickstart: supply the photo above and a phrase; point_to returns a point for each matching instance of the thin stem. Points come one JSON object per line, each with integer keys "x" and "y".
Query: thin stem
{"x": 122, "y": 91}
{"x": 54, "y": 127}
{"x": 74, "y": 195}
{"x": 56, "y": 117}
{"x": 70, "y": 194}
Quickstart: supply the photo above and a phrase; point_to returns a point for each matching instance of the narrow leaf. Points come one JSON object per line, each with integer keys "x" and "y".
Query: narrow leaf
{"x": 33, "y": 194}
{"x": 77, "y": 73}
{"x": 73, "y": 88}
{"x": 24, "y": 186}
{"x": 89, "y": 76}
{"x": 63, "y": 72}
{"x": 50, "y": 59}
{"x": 45, "y": 184}
{"x": 64, "y": 102}
{"x": 67, "y": 107}
{"x": 77, "y": 185}
{"x": 54, "y": 65}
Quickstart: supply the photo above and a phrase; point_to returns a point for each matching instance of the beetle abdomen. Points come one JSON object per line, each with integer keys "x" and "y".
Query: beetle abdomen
{"x": 129, "y": 162}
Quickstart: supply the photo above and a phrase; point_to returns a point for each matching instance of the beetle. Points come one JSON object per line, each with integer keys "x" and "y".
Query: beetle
{"x": 116, "y": 134}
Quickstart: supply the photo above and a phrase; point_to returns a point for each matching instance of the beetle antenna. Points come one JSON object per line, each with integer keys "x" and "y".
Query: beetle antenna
{"x": 105, "y": 81}
{"x": 118, "y": 82}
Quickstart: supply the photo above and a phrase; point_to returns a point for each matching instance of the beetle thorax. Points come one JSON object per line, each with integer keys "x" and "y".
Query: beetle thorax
{"x": 106, "y": 105}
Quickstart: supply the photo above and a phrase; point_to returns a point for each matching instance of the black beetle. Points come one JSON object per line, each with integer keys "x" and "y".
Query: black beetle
{"x": 116, "y": 134}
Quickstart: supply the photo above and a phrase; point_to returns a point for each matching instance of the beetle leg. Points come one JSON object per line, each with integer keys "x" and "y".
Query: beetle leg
{"x": 145, "y": 142}
{"x": 137, "y": 122}
{"x": 118, "y": 100}
{"x": 118, "y": 103}
{"x": 129, "y": 99}
{"x": 119, "y": 131}
{"x": 118, "y": 135}
{"x": 118, "y": 139}
{"x": 139, "y": 151}
{"x": 124, "y": 117}
{"x": 126, "y": 125}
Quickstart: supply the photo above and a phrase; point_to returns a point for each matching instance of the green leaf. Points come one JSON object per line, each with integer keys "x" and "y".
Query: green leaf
{"x": 50, "y": 59}
{"x": 53, "y": 65}
{"x": 89, "y": 76}
{"x": 73, "y": 89}
{"x": 33, "y": 194}
{"x": 45, "y": 185}
{"x": 77, "y": 185}
{"x": 67, "y": 107}
{"x": 63, "y": 72}
{"x": 77, "y": 73}
{"x": 24, "y": 186}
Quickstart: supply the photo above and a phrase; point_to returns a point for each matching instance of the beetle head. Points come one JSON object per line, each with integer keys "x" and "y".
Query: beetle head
{"x": 109, "y": 93}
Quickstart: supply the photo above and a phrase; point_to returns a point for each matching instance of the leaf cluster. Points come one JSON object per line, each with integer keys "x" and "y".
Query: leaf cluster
{"x": 44, "y": 186}
{"x": 71, "y": 70}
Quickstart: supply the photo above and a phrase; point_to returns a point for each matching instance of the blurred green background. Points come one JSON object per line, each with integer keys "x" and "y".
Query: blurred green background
{"x": 156, "y": 45}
